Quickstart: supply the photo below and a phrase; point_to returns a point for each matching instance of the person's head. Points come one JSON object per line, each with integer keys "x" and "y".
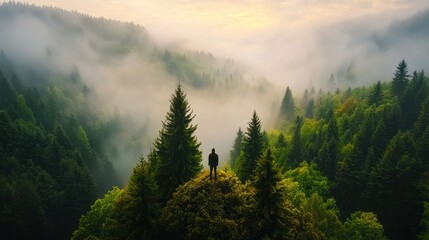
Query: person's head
{"x": 213, "y": 150}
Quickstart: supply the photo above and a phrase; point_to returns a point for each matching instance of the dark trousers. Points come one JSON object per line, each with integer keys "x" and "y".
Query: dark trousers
{"x": 211, "y": 170}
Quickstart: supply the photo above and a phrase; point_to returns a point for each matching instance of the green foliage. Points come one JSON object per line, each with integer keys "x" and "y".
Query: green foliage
{"x": 7, "y": 92}
{"x": 348, "y": 186}
{"x": 252, "y": 148}
{"x": 309, "y": 109}
{"x": 205, "y": 209}
{"x": 328, "y": 154}
{"x": 323, "y": 217}
{"x": 274, "y": 215}
{"x": 363, "y": 226}
{"x": 394, "y": 185}
{"x": 97, "y": 221}
{"x": 376, "y": 95}
{"x": 23, "y": 111}
{"x": 236, "y": 148}
{"x": 138, "y": 207}
{"x": 280, "y": 149}
{"x": 295, "y": 156}
{"x": 400, "y": 79}
{"x": 177, "y": 147}
{"x": 287, "y": 108}
{"x": 310, "y": 180}
{"x": 424, "y": 223}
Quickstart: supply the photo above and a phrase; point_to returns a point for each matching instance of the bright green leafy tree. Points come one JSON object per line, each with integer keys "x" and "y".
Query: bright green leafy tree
{"x": 363, "y": 226}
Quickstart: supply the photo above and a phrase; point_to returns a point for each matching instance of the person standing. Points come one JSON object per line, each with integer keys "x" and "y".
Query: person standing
{"x": 213, "y": 162}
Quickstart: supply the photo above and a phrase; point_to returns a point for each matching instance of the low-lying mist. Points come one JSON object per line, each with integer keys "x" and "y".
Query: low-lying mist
{"x": 133, "y": 73}
{"x": 131, "y": 77}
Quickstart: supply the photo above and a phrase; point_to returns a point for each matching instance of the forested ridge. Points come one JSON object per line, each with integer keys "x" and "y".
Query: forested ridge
{"x": 345, "y": 165}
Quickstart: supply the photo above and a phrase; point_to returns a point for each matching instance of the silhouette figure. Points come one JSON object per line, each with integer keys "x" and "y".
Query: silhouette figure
{"x": 213, "y": 162}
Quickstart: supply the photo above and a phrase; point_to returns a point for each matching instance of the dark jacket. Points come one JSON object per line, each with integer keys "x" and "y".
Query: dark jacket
{"x": 213, "y": 159}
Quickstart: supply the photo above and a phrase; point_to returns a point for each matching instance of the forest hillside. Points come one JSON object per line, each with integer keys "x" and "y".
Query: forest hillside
{"x": 105, "y": 134}
{"x": 346, "y": 165}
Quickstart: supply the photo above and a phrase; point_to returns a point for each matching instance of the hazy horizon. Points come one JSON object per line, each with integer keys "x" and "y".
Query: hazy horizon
{"x": 282, "y": 40}
{"x": 291, "y": 43}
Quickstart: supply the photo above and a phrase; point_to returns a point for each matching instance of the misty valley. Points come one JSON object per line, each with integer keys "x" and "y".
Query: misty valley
{"x": 105, "y": 133}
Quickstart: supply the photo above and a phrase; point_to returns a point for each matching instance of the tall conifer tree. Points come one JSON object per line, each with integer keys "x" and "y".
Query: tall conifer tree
{"x": 296, "y": 153}
{"x": 139, "y": 205}
{"x": 236, "y": 148}
{"x": 375, "y": 95}
{"x": 400, "y": 80}
{"x": 274, "y": 216}
{"x": 177, "y": 147}
{"x": 252, "y": 148}
{"x": 287, "y": 109}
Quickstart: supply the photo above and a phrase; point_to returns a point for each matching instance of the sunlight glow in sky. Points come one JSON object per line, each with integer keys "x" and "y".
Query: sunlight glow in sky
{"x": 276, "y": 36}
{"x": 225, "y": 16}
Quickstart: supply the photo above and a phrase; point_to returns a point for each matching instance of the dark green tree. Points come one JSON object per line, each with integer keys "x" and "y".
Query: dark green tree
{"x": 296, "y": 153}
{"x": 177, "y": 147}
{"x": 424, "y": 223}
{"x": 203, "y": 209}
{"x": 393, "y": 192}
{"x": 236, "y": 147}
{"x": 252, "y": 148}
{"x": 139, "y": 204}
{"x": 274, "y": 218}
{"x": 328, "y": 154}
{"x": 287, "y": 108}
{"x": 376, "y": 95}
{"x": 349, "y": 180}
{"x": 309, "y": 109}
{"x": 421, "y": 132}
{"x": 280, "y": 149}
{"x": 7, "y": 92}
{"x": 413, "y": 97}
{"x": 400, "y": 79}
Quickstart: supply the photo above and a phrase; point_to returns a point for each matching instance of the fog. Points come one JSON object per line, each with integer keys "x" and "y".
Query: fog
{"x": 134, "y": 83}
{"x": 289, "y": 43}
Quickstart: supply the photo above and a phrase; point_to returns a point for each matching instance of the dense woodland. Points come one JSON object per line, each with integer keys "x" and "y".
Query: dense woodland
{"x": 348, "y": 164}
{"x": 345, "y": 165}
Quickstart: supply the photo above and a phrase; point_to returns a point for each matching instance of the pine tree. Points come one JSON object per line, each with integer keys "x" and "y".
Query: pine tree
{"x": 252, "y": 148}
{"x": 139, "y": 206}
{"x": 349, "y": 180}
{"x": 375, "y": 95}
{"x": 274, "y": 218}
{"x": 177, "y": 147}
{"x": 400, "y": 80}
{"x": 296, "y": 153}
{"x": 7, "y": 92}
{"x": 281, "y": 141}
{"x": 287, "y": 109}
{"x": 236, "y": 147}
{"x": 413, "y": 97}
{"x": 328, "y": 153}
{"x": 393, "y": 191}
{"x": 309, "y": 109}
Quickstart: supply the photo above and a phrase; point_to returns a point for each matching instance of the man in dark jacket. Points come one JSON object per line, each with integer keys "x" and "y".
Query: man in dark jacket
{"x": 213, "y": 162}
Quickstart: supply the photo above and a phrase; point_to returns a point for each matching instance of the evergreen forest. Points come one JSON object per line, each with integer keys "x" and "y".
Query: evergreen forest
{"x": 345, "y": 164}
